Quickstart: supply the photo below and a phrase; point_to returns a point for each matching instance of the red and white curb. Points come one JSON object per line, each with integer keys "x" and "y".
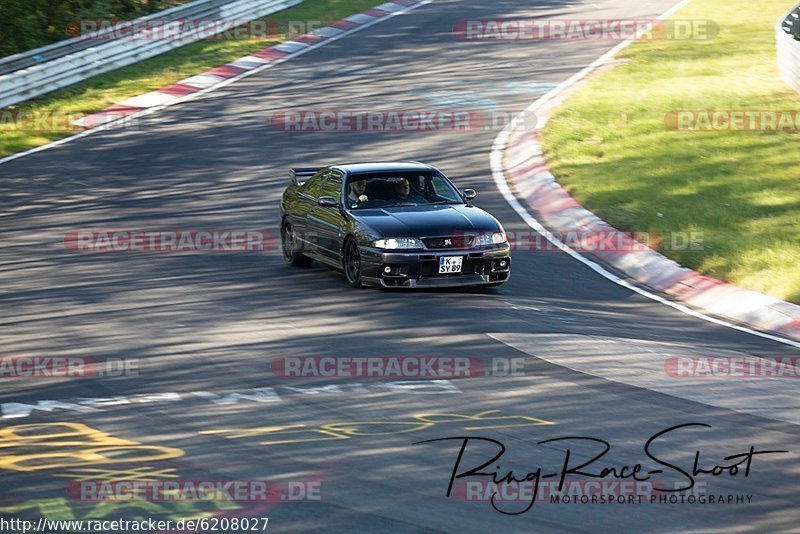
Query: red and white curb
{"x": 218, "y": 77}
{"x": 517, "y": 158}
{"x": 247, "y": 64}
{"x": 516, "y": 155}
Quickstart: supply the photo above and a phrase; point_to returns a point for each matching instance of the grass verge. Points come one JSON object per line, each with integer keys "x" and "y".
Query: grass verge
{"x": 610, "y": 146}
{"x": 113, "y": 87}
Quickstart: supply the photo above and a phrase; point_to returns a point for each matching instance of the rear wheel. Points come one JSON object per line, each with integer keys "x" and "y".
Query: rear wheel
{"x": 352, "y": 263}
{"x": 290, "y": 249}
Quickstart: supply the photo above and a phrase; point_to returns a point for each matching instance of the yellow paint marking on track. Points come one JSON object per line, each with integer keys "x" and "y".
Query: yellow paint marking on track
{"x": 249, "y": 432}
{"x": 345, "y": 430}
{"x": 65, "y": 445}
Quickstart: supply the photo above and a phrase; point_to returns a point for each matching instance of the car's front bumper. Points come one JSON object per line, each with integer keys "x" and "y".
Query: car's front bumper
{"x": 421, "y": 268}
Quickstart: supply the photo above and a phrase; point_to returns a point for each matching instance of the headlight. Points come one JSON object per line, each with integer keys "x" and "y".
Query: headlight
{"x": 489, "y": 238}
{"x": 398, "y": 242}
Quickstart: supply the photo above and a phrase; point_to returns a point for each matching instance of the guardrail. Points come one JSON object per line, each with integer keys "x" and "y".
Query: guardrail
{"x": 52, "y": 51}
{"x": 61, "y": 64}
{"x": 787, "y": 37}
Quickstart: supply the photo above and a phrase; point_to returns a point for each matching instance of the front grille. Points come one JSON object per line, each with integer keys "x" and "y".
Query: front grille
{"x": 459, "y": 241}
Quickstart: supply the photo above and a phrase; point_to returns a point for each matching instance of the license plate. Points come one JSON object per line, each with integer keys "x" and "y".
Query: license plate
{"x": 450, "y": 264}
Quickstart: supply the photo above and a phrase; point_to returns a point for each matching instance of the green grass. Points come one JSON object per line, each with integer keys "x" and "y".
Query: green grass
{"x": 113, "y": 87}
{"x": 609, "y": 146}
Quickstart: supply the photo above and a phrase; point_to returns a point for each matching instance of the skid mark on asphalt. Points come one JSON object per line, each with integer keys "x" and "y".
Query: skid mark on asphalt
{"x": 642, "y": 364}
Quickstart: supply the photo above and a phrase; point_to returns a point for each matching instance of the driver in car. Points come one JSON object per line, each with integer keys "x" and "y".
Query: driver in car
{"x": 357, "y": 193}
{"x": 403, "y": 194}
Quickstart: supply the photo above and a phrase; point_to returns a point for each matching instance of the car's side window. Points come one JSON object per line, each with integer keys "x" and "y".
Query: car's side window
{"x": 442, "y": 189}
{"x": 314, "y": 186}
{"x": 438, "y": 185}
{"x": 333, "y": 185}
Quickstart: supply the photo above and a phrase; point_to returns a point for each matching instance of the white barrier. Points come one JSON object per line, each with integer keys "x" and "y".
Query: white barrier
{"x": 789, "y": 47}
{"x": 29, "y": 58}
{"x": 110, "y": 54}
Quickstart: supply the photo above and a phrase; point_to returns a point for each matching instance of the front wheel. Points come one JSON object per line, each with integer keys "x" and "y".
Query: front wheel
{"x": 291, "y": 255}
{"x": 352, "y": 263}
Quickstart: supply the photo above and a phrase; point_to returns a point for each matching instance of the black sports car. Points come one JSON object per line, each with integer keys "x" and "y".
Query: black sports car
{"x": 392, "y": 225}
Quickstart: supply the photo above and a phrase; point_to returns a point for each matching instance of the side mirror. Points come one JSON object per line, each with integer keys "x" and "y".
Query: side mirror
{"x": 469, "y": 194}
{"x": 328, "y": 202}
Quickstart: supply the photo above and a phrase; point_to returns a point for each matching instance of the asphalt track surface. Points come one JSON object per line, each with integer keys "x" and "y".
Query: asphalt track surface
{"x": 213, "y": 322}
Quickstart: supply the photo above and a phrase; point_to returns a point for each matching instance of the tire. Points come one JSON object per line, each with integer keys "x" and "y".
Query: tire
{"x": 291, "y": 256}
{"x": 351, "y": 263}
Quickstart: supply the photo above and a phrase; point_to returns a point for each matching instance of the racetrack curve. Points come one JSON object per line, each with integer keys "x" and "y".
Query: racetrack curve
{"x": 213, "y": 322}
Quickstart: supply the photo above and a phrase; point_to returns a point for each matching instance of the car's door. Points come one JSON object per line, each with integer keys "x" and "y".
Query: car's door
{"x": 326, "y": 222}
{"x": 307, "y": 195}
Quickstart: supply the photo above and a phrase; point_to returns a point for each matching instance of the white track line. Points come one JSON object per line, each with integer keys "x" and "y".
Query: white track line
{"x": 496, "y": 161}
{"x": 496, "y": 156}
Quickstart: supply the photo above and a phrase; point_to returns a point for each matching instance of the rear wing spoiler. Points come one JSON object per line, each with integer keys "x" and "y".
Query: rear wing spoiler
{"x": 300, "y": 175}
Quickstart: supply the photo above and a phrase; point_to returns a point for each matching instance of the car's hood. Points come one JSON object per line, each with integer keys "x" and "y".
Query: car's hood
{"x": 427, "y": 220}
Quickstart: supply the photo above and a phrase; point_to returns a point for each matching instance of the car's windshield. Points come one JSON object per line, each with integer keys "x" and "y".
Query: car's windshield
{"x": 399, "y": 188}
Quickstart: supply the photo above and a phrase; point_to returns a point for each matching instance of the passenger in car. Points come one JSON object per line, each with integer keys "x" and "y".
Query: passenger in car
{"x": 403, "y": 194}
